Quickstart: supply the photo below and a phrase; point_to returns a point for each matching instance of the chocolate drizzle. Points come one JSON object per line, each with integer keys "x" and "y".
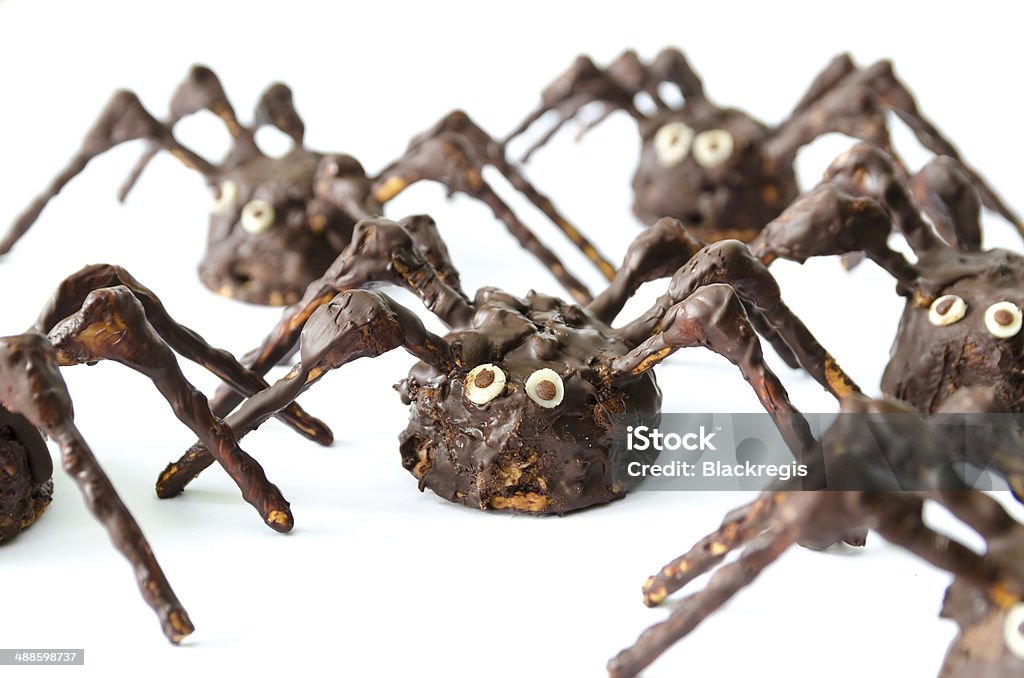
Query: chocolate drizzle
{"x": 511, "y": 453}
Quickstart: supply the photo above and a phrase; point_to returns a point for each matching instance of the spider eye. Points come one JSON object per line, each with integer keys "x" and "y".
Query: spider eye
{"x": 713, "y": 147}
{"x": 227, "y": 194}
{"x": 1003, "y": 319}
{"x": 672, "y": 143}
{"x": 257, "y": 216}
{"x": 946, "y": 310}
{"x": 484, "y": 383}
{"x": 1013, "y": 630}
{"x": 545, "y": 388}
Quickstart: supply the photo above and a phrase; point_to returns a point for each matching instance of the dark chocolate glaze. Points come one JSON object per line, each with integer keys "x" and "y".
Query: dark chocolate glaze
{"x": 26, "y": 486}
{"x": 929, "y": 363}
{"x": 511, "y": 453}
{"x": 732, "y": 200}
{"x": 277, "y": 223}
{"x": 308, "y": 232}
{"x": 734, "y": 193}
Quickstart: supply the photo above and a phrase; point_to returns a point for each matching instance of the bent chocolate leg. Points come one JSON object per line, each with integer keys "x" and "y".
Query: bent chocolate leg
{"x": 449, "y": 160}
{"x": 112, "y": 326}
{"x": 713, "y": 317}
{"x": 828, "y": 221}
{"x": 124, "y": 119}
{"x": 658, "y": 252}
{"x": 491, "y": 152}
{"x": 381, "y": 251}
{"x": 73, "y": 291}
{"x": 731, "y": 263}
{"x": 355, "y": 324}
{"x": 200, "y": 91}
{"x": 691, "y": 611}
{"x": 31, "y": 385}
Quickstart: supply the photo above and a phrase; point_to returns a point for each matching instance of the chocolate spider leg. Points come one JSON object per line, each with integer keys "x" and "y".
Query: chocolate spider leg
{"x": 689, "y": 612}
{"x": 851, "y": 109}
{"x": 738, "y": 528}
{"x": 112, "y": 325}
{"x": 834, "y": 73}
{"x": 355, "y": 324}
{"x": 124, "y": 119}
{"x": 867, "y": 171}
{"x": 881, "y": 78}
{"x": 828, "y": 221}
{"x": 713, "y": 316}
{"x": 449, "y": 160}
{"x": 200, "y": 91}
{"x": 73, "y": 291}
{"x": 731, "y": 263}
{"x": 945, "y": 192}
{"x": 658, "y": 252}
{"x": 381, "y": 251}
{"x": 276, "y": 108}
{"x": 898, "y": 518}
{"x": 580, "y": 85}
{"x": 634, "y": 76}
{"x": 490, "y": 151}
{"x": 31, "y": 385}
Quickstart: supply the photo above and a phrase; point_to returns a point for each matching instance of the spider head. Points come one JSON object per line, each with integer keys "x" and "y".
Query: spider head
{"x": 969, "y": 335}
{"x": 991, "y": 638}
{"x": 275, "y": 226}
{"x": 525, "y": 423}
{"x": 709, "y": 168}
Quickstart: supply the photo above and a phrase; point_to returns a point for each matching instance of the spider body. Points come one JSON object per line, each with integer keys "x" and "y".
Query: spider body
{"x": 717, "y": 199}
{"x": 523, "y": 404}
{"x": 930, "y": 362}
{"x": 720, "y": 171}
{"x": 277, "y": 223}
{"x": 961, "y": 324}
{"x": 512, "y": 452}
{"x": 269, "y": 231}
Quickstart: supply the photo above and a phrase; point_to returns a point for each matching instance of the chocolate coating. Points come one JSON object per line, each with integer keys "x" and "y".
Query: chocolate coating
{"x": 510, "y": 453}
{"x": 308, "y": 232}
{"x": 731, "y": 200}
{"x": 26, "y": 486}
{"x": 719, "y": 170}
{"x": 930, "y": 363}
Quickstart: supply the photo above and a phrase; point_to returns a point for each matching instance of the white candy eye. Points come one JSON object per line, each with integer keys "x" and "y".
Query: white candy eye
{"x": 227, "y": 194}
{"x": 484, "y": 383}
{"x": 672, "y": 143}
{"x": 713, "y": 147}
{"x": 1003, "y": 319}
{"x": 545, "y": 388}
{"x": 946, "y": 310}
{"x": 1013, "y": 630}
{"x": 257, "y": 216}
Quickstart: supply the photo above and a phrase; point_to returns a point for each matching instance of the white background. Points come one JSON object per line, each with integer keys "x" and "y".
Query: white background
{"x": 378, "y": 578}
